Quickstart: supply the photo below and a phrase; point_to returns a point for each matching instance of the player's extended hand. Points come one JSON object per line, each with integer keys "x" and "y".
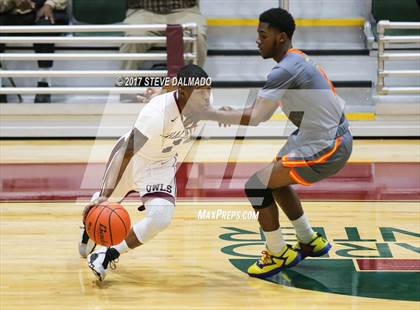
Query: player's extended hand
{"x": 91, "y": 204}
{"x": 225, "y": 108}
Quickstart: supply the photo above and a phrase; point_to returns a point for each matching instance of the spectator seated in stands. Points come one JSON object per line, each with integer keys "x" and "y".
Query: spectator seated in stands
{"x": 35, "y": 12}
{"x": 163, "y": 12}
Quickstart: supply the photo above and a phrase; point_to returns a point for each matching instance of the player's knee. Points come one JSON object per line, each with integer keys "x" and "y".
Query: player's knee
{"x": 259, "y": 195}
{"x": 161, "y": 221}
{"x": 160, "y": 212}
{"x": 158, "y": 218}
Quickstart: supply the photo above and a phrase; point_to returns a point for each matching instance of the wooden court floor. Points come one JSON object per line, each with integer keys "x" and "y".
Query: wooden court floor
{"x": 198, "y": 262}
{"x": 187, "y": 266}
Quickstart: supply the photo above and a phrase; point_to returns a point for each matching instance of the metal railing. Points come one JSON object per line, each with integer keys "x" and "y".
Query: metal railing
{"x": 383, "y": 41}
{"x": 190, "y": 37}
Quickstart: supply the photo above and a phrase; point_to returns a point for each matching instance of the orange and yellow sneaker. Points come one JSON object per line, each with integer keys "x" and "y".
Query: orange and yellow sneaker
{"x": 271, "y": 263}
{"x": 318, "y": 246}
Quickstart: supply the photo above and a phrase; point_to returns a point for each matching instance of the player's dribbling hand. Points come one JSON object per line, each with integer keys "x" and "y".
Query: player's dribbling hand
{"x": 91, "y": 204}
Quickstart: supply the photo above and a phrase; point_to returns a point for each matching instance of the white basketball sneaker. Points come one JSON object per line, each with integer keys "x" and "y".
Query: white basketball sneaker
{"x": 87, "y": 245}
{"x": 99, "y": 261}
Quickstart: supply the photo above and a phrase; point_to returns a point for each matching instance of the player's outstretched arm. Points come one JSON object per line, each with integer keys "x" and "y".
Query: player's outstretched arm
{"x": 260, "y": 111}
{"x": 120, "y": 159}
{"x": 120, "y": 156}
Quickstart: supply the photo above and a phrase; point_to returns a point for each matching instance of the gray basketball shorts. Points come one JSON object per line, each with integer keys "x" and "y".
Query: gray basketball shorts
{"x": 308, "y": 170}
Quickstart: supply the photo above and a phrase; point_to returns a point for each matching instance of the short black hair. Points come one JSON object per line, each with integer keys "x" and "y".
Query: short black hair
{"x": 191, "y": 71}
{"x": 279, "y": 19}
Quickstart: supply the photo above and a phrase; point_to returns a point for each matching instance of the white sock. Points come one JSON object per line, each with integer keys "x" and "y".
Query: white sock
{"x": 121, "y": 247}
{"x": 274, "y": 240}
{"x": 304, "y": 231}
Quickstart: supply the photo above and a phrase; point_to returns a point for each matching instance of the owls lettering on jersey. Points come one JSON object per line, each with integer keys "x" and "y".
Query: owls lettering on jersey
{"x": 161, "y": 122}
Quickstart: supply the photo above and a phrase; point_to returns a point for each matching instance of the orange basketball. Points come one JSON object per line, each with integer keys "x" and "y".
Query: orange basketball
{"x": 107, "y": 223}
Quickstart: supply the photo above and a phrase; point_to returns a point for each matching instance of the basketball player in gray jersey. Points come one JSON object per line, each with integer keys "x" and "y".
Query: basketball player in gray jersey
{"x": 319, "y": 148}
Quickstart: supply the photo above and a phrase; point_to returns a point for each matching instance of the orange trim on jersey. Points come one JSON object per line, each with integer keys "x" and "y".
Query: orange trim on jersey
{"x": 327, "y": 79}
{"x": 296, "y": 51}
{"x": 301, "y": 163}
{"x": 293, "y": 174}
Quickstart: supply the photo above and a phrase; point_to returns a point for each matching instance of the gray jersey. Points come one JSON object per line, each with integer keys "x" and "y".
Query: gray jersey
{"x": 309, "y": 101}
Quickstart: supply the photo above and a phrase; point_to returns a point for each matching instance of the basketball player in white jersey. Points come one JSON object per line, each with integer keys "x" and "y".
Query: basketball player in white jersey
{"x": 144, "y": 160}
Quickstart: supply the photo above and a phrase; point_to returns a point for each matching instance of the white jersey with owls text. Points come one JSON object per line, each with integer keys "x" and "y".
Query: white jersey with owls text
{"x": 161, "y": 122}
{"x": 152, "y": 170}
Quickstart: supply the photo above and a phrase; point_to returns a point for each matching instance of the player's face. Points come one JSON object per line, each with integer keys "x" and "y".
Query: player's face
{"x": 267, "y": 41}
{"x": 200, "y": 98}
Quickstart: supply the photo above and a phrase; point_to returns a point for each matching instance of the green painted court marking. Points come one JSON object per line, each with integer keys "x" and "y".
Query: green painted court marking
{"x": 338, "y": 276}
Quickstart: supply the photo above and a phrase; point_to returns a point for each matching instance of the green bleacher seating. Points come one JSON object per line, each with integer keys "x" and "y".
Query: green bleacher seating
{"x": 396, "y": 11}
{"x": 99, "y": 11}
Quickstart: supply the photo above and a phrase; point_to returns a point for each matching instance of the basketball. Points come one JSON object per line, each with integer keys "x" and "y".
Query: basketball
{"x": 108, "y": 223}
